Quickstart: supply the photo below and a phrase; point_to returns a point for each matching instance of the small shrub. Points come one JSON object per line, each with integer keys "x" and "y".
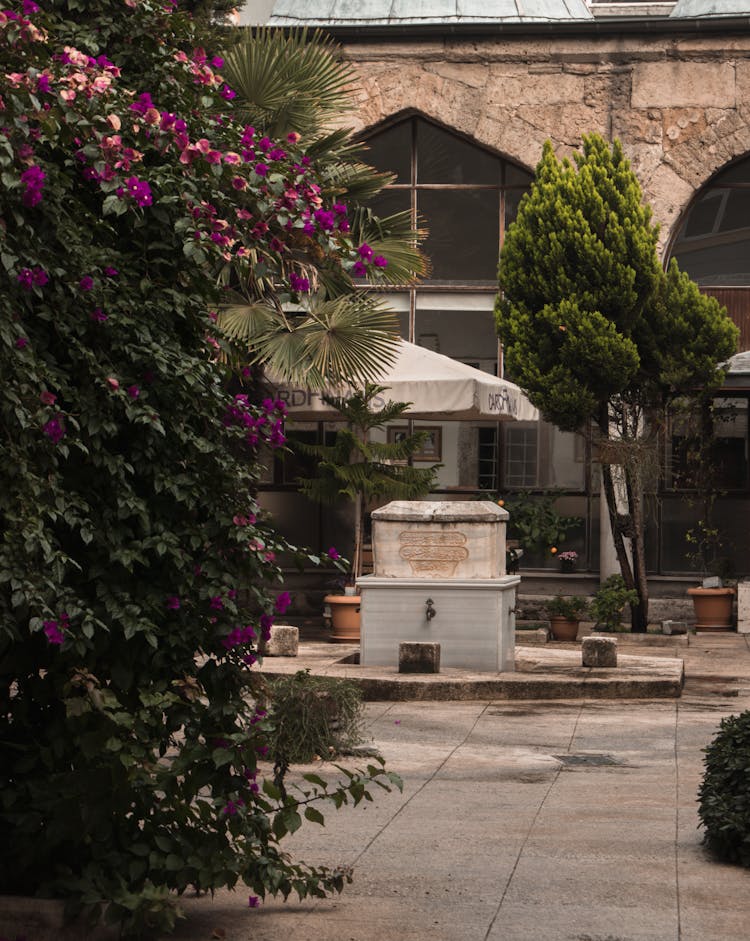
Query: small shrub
{"x": 609, "y": 602}
{"x": 313, "y": 716}
{"x": 724, "y": 795}
{"x": 573, "y": 607}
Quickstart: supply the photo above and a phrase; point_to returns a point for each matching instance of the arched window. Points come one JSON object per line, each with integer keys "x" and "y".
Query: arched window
{"x": 713, "y": 243}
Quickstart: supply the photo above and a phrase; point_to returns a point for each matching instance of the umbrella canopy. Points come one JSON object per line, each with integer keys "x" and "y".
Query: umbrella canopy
{"x": 437, "y": 386}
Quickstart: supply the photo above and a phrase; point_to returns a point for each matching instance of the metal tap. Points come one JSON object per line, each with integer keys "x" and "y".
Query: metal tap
{"x": 431, "y": 612}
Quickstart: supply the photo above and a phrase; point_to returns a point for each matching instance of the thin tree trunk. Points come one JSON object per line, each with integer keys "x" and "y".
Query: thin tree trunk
{"x": 639, "y": 611}
{"x": 358, "y": 536}
{"x": 611, "y": 498}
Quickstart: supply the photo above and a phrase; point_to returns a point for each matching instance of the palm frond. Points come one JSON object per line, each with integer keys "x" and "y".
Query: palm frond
{"x": 292, "y": 80}
{"x": 352, "y": 338}
{"x": 247, "y": 323}
{"x": 394, "y": 238}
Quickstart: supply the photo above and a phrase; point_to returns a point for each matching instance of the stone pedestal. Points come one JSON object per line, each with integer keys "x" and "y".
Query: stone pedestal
{"x": 439, "y": 578}
{"x": 283, "y": 642}
{"x": 418, "y": 658}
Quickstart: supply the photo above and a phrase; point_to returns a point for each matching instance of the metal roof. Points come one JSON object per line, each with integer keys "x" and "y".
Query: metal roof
{"x": 423, "y": 12}
{"x": 685, "y": 8}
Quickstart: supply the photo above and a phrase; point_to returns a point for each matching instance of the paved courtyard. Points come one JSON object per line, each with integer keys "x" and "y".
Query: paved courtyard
{"x": 561, "y": 821}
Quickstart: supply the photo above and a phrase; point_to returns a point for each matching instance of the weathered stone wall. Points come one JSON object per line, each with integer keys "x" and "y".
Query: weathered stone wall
{"x": 680, "y": 103}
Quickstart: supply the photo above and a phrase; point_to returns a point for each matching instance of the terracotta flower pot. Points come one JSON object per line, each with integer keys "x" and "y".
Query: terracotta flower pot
{"x": 713, "y": 608}
{"x": 344, "y": 618}
{"x": 563, "y": 628}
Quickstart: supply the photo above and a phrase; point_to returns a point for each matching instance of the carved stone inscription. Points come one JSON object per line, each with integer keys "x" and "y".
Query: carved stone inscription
{"x": 433, "y": 554}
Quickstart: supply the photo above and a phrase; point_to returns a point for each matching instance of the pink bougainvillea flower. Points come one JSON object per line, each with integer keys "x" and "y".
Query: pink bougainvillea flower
{"x": 98, "y": 315}
{"x": 133, "y": 392}
{"x": 112, "y": 382}
{"x": 48, "y": 398}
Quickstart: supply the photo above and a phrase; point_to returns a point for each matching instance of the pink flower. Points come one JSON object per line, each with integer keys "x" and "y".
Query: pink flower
{"x": 133, "y": 392}
{"x": 48, "y": 398}
{"x": 112, "y": 382}
{"x": 98, "y": 315}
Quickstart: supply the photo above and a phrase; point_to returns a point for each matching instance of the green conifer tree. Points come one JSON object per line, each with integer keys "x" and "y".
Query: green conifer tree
{"x": 597, "y": 333}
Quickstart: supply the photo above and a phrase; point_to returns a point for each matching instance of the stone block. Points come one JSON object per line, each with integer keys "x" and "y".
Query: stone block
{"x": 418, "y": 657}
{"x": 599, "y": 652}
{"x": 743, "y": 607}
{"x": 674, "y": 84}
{"x": 283, "y": 642}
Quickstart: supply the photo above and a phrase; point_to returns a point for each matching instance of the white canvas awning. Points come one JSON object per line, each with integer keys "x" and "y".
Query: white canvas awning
{"x": 437, "y": 386}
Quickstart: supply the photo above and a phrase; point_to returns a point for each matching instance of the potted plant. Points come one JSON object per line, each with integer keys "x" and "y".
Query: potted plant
{"x": 534, "y": 525}
{"x": 608, "y": 603}
{"x": 565, "y": 614}
{"x": 568, "y": 560}
{"x": 364, "y": 472}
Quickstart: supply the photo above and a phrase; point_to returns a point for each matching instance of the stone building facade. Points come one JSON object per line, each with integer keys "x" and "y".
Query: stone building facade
{"x": 499, "y": 78}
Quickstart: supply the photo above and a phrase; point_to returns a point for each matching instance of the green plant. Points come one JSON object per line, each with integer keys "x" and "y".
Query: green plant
{"x": 313, "y": 716}
{"x": 609, "y": 600}
{"x": 572, "y": 607}
{"x": 361, "y": 470}
{"x": 597, "y": 334}
{"x": 724, "y": 793}
{"x": 137, "y": 572}
{"x": 534, "y": 522}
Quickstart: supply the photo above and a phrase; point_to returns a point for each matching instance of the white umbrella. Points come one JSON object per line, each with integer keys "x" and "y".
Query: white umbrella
{"x": 437, "y": 386}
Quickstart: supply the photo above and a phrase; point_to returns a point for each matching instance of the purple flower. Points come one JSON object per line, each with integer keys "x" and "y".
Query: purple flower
{"x": 142, "y": 104}
{"x": 33, "y": 178}
{"x": 253, "y": 901}
{"x": 139, "y": 190}
{"x": 359, "y": 269}
{"x": 22, "y": 343}
{"x": 227, "y": 94}
{"x": 111, "y": 272}
{"x": 54, "y": 430}
{"x": 53, "y": 633}
{"x": 217, "y": 62}
{"x": 282, "y": 602}
{"x": 133, "y": 392}
{"x": 98, "y": 315}
{"x": 380, "y": 262}
{"x": 298, "y": 283}
{"x": 86, "y": 283}
{"x": 43, "y": 85}
{"x": 173, "y": 603}
{"x": 333, "y": 554}
{"x": 25, "y": 278}
{"x": 39, "y": 276}
{"x": 261, "y": 169}
{"x": 30, "y": 7}
{"x": 216, "y": 604}
{"x": 364, "y": 251}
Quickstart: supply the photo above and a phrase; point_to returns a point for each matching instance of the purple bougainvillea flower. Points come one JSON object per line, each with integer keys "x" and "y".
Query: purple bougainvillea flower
{"x": 333, "y": 554}
{"x": 261, "y": 169}
{"x": 98, "y": 315}
{"x": 173, "y": 603}
{"x": 53, "y": 633}
{"x": 227, "y": 94}
{"x": 25, "y": 278}
{"x": 282, "y": 602}
{"x": 86, "y": 283}
{"x": 364, "y": 251}
{"x": 22, "y": 343}
{"x": 133, "y": 392}
{"x": 359, "y": 269}
{"x": 54, "y": 430}
{"x": 39, "y": 276}
{"x": 380, "y": 262}
{"x": 298, "y": 283}
{"x": 216, "y": 604}
{"x": 111, "y": 272}
{"x": 253, "y": 901}
{"x": 48, "y": 398}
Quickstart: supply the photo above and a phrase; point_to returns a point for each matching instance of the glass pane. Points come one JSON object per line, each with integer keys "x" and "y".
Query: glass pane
{"x": 702, "y": 217}
{"x": 390, "y": 201}
{"x": 736, "y": 213}
{"x": 487, "y": 447}
{"x": 444, "y": 158}
{"x": 464, "y": 233}
{"x": 391, "y": 150}
{"x": 520, "y": 461}
{"x": 512, "y": 199}
{"x": 561, "y": 459}
{"x": 467, "y": 335}
{"x": 515, "y": 176}
{"x": 737, "y": 173}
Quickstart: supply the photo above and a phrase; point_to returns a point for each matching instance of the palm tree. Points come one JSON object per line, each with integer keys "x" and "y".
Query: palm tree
{"x": 295, "y": 83}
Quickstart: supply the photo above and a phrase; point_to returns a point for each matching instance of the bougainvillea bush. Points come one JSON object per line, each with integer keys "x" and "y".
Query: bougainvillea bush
{"x": 136, "y": 571}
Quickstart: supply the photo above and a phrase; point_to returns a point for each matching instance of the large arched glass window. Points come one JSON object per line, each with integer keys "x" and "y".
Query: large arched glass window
{"x": 464, "y": 195}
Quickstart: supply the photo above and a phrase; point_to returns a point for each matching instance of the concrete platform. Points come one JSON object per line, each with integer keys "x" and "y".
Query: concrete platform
{"x": 541, "y": 673}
